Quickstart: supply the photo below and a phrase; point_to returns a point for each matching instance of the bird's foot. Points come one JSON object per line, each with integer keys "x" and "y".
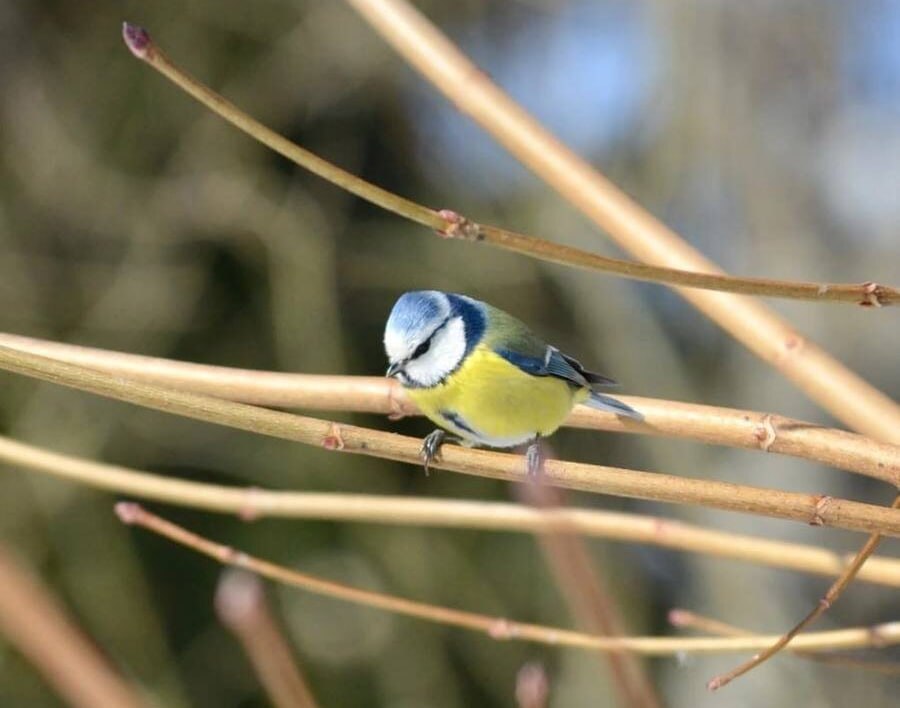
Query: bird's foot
{"x": 431, "y": 447}
{"x": 534, "y": 459}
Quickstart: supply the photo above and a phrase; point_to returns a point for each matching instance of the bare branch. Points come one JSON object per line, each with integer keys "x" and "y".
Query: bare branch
{"x": 494, "y": 627}
{"x": 451, "y": 225}
{"x": 813, "y": 509}
{"x": 242, "y": 607}
{"x": 253, "y": 503}
{"x": 750, "y": 430}
{"x": 834, "y": 592}
{"x": 37, "y": 626}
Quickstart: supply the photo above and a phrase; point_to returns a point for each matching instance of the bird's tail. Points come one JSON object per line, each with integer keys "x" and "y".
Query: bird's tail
{"x": 602, "y": 402}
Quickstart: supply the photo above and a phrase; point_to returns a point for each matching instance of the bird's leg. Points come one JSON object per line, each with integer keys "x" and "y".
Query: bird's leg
{"x": 431, "y": 446}
{"x": 534, "y": 458}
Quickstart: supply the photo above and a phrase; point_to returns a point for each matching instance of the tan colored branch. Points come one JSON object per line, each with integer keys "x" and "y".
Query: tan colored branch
{"x": 242, "y": 607}
{"x": 452, "y": 225}
{"x": 37, "y": 626}
{"x": 587, "y": 594}
{"x": 815, "y": 509}
{"x": 831, "y": 596}
{"x": 494, "y": 627}
{"x": 709, "y": 625}
{"x": 253, "y": 503}
{"x": 840, "y": 391}
{"x": 751, "y": 430}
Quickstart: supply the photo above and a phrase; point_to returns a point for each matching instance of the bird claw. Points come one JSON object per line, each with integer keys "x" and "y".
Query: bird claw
{"x": 534, "y": 460}
{"x": 431, "y": 447}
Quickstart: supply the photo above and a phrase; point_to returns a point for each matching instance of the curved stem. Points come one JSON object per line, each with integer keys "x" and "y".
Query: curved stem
{"x": 831, "y": 596}
{"x": 495, "y": 627}
{"x": 452, "y": 225}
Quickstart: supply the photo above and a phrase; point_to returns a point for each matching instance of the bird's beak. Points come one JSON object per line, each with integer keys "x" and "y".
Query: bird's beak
{"x": 393, "y": 369}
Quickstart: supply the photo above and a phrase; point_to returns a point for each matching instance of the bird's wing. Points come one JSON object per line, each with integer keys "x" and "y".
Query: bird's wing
{"x": 594, "y": 379}
{"x": 512, "y": 340}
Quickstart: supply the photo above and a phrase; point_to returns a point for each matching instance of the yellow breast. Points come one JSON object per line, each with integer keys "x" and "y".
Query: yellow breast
{"x": 492, "y": 402}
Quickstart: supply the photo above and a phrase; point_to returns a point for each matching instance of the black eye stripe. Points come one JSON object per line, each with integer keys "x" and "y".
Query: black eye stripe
{"x": 422, "y": 348}
{"x": 426, "y": 345}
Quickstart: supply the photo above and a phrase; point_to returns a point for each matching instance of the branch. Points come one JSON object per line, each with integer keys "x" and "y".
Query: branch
{"x": 685, "y": 618}
{"x": 452, "y": 225}
{"x": 494, "y": 627}
{"x": 253, "y": 503}
{"x": 242, "y": 607}
{"x": 750, "y": 430}
{"x": 812, "y": 509}
{"x": 587, "y": 594}
{"x": 832, "y": 385}
{"x": 834, "y": 592}
{"x": 36, "y": 625}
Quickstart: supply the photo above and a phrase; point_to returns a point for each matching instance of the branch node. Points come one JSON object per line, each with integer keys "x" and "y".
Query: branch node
{"x": 502, "y": 628}
{"x": 138, "y": 41}
{"x": 877, "y": 638}
{"x": 249, "y": 509}
{"x": 459, "y": 226}
{"x": 333, "y": 441}
{"x": 661, "y": 526}
{"x": 821, "y": 508}
{"x": 395, "y": 408}
{"x": 232, "y": 556}
{"x": 872, "y": 295}
{"x": 791, "y": 347}
{"x": 766, "y": 432}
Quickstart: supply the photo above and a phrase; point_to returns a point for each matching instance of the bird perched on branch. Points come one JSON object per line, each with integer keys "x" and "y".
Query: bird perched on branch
{"x": 482, "y": 375}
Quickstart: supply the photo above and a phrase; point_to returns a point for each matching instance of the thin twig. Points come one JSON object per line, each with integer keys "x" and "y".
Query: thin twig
{"x": 834, "y": 592}
{"x": 686, "y": 618}
{"x": 586, "y": 593}
{"x": 252, "y": 503}
{"x": 37, "y": 626}
{"x": 847, "y": 396}
{"x": 812, "y": 509}
{"x": 752, "y": 430}
{"x": 452, "y": 225}
{"x": 242, "y": 607}
{"x": 495, "y": 627}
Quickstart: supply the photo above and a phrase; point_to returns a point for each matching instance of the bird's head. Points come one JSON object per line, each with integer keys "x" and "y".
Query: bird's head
{"x": 428, "y": 334}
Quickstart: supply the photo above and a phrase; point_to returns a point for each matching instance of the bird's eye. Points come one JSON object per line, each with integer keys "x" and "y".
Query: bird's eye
{"x": 421, "y": 349}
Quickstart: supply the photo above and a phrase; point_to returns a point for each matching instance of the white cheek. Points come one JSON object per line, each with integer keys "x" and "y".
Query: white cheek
{"x": 393, "y": 346}
{"x": 446, "y": 352}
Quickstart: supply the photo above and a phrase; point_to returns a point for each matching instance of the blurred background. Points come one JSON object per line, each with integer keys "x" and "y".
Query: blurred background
{"x": 767, "y": 133}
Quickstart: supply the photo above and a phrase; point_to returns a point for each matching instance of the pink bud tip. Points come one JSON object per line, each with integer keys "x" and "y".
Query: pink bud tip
{"x": 137, "y": 39}
{"x": 677, "y": 617}
{"x": 128, "y": 512}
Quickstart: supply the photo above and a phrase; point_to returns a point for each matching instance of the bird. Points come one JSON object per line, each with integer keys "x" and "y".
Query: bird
{"x": 482, "y": 375}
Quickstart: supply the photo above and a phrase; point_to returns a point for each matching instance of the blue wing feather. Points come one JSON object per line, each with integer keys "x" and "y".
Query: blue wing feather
{"x": 557, "y": 364}
{"x": 527, "y": 363}
{"x": 553, "y": 363}
{"x": 603, "y": 402}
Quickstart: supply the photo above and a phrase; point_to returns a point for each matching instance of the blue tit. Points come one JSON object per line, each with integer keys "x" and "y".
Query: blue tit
{"x": 482, "y": 375}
